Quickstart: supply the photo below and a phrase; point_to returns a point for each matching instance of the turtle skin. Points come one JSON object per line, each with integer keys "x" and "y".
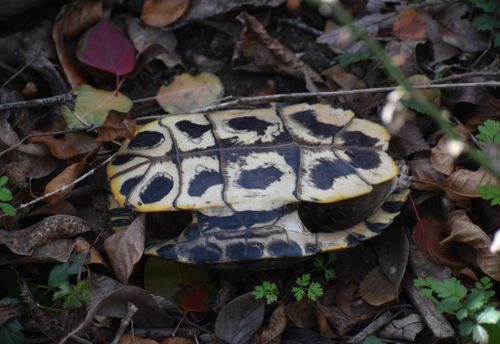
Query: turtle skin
{"x": 252, "y": 177}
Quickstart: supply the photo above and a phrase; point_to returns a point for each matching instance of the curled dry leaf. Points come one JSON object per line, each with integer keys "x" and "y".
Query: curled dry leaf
{"x": 240, "y": 319}
{"x": 188, "y": 92}
{"x": 376, "y": 289}
{"x": 461, "y": 229}
{"x": 408, "y": 140}
{"x": 9, "y": 137}
{"x": 424, "y": 176}
{"x": 463, "y": 184}
{"x": 25, "y": 241}
{"x": 92, "y": 255}
{"x": 177, "y": 340}
{"x": 62, "y": 182}
{"x": 117, "y": 124}
{"x": 79, "y": 16}
{"x": 58, "y": 250}
{"x": 68, "y": 147}
{"x": 125, "y": 248}
{"x": 163, "y": 12}
{"x": 301, "y": 313}
{"x": 268, "y": 53}
{"x": 153, "y": 43}
{"x": 276, "y": 326}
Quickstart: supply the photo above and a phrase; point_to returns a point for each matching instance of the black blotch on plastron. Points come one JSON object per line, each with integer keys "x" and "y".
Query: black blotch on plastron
{"x": 259, "y": 178}
{"x": 319, "y": 129}
{"x": 250, "y": 218}
{"x": 357, "y": 138}
{"x": 249, "y": 123}
{"x": 122, "y": 159}
{"x": 129, "y": 185}
{"x": 159, "y": 186}
{"x": 294, "y": 249}
{"x": 364, "y": 159}
{"x": 202, "y": 181}
{"x": 352, "y": 240}
{"x": 197, "y": 254}
{"x": 255, "y": 250}
{"x": 326, "y": 171}
{"x": 392, "y": 206}
{"x": 311, "y": 249}
{"x": 192, "y": 130}
{"x": 235, "y": 250}
{"x": 168, "y": 252}
{"x": 223, "y": 222}
{"x": 376, "y": 227}
{"x": 120, "y": 223}
{"x": 214, "y": 253}
{"x": 278, "y": 248}
{"x": 146, "y": 139}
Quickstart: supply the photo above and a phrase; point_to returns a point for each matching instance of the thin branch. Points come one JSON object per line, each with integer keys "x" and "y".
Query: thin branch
{"x": 290, "y": 96}
{"x": 67, "y": 186}
{"x": 125, "y": 322}
{"x": 59, "y": 99}
{"x": 488, "y": 74}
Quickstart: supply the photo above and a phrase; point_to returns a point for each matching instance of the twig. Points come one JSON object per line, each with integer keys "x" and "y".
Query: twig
{"x": 67, "y": 186}
{"x": 125, "y": 322}
{"x": 466, "y": 75}
{"x": 289, "y": 96}
{"x": 59, "y": 99}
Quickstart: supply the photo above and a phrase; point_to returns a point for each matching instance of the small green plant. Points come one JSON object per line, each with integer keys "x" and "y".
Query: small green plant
{"x": 320, "y": 263}
{"x": 372, "y": 340}
{"x": 489, "y": 133}
{"x": 477, "y": 314}
{"x": 349, "y": 58}
{"x": 11, "y": 330}
{"x": 6, "y": 197}
{"x": 268, "y": 291}
{"x": 487, "y": 19}
{"x": 73, "y": 296}
{"x": 305, "y": 287}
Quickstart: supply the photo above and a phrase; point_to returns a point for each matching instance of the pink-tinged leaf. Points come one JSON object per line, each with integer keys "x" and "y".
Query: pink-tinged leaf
{"x": 106, "y": 48}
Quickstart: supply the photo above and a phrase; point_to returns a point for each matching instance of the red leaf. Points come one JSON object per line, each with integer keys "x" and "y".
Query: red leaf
{"x": 106, "y": 48}
{"x": 428, "y": 234}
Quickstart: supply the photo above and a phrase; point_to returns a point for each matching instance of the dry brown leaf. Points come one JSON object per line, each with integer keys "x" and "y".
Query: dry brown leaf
{"x": 117, "y": 124}
{"x": 67, "y": 62}
{"x": 461, "y": 229}
{"x": 424, "y": 176}
{"x": 9, "y": 137}
{"x": 268, "y": 53}
{"x": 66, "y": 177}
{"x": 408, "y": 140}
{"x": 324, "y": 328}
{"x": 404, "y": 329}
{"x": 376, "y": 289}
{"x": 462, "y": 184}
{"x": 403, "y": 54}
{"x": 301, "y": 313}
{"x": 58, "y": 250}
{"x": 163, "y": 12}
{"x": 70, "y": 146}
{"x": 79, "y": 16}
{"x": 342, "y": 322}
{"x": 92, "y": 255}
{"x": 410, "y": 24}
{"x": 456, "y": 30}
{"x": 10, "y": 310}
{"x": 130, "y": 339}
{"x": 125, "y": 248}
{"x": 276, "y": 326}
{"x": 24, "y": 241}
{"x": 441, "y": 158}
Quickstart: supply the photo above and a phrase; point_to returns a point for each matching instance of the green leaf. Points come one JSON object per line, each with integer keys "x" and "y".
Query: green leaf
{"x": 449, "y": 305}
{"x": 267, "y": 290}
{"x": 298, "y": 293}
{"x": 490, "y": 193}
{"x": 350, "y": 58}
{"x": 496, "y": 42}
{"x": 60, "y": 273}
{"x": 450, "y": 287}
{"x": 466, "y": 328}
{"x": 480, "y": 335}
{"x": 484, "y": 22}
{"x": 493, "y": 332}
{"x": 485, "y": 5}
{"x": 303, "y": 280}
{"x": 489, "y": 131}
{"x": 7, "y": 209}
{"x": 330, "y": 274}
{"x": 372, "y": 340}
{"x": 93, "y": 105}
{"x": 5, "y": 195}
{"x": 3, "y": 180}
{"x": 488, "y": 316}
{"x": 314, "y": 291}
{"x": 10, "y": 332}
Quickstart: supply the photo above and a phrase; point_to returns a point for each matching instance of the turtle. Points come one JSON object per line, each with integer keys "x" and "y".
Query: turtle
{"x": 264, "y": 184}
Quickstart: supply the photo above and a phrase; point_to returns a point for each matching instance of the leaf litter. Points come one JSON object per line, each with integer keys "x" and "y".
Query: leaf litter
{"x": 123, "y": 66}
